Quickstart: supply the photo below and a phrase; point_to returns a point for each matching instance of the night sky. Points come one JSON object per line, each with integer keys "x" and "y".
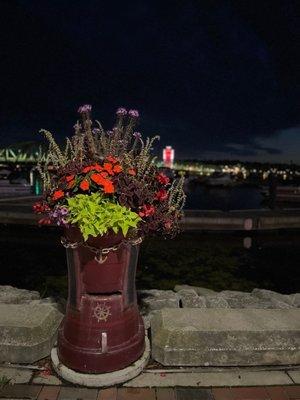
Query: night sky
{"x": 215, "y": 79}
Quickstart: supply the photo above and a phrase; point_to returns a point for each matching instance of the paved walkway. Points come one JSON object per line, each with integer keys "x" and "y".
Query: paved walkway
{"x": 38, "y": 392}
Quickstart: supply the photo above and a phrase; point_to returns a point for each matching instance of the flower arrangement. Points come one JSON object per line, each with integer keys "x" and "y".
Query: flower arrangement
{"x": 105, "y": 181}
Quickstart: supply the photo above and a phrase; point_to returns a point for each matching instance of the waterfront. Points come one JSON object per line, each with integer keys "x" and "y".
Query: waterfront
{"x": 32, "y": 257}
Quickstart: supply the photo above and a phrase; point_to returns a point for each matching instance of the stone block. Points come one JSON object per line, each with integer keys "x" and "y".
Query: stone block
{"x": 27, "y": 331}
{"x": 199, "y": 290}
{"x": 295, "y": 299}
{"x": 224, "y": 337}
{"x": 216, "y": 302}
{"x": 190, "y": 299}
{"x": 12, "y": 295}
{"x": 157, "y": 299}
{"x": 242, "y": 300}
{"x": 270, "y": 295}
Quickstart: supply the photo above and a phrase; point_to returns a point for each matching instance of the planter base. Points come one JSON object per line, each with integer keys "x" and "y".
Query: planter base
{"x": 105, "y": 379}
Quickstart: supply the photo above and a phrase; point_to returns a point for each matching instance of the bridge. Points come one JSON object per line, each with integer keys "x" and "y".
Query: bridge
{"x": 26, "y": 152}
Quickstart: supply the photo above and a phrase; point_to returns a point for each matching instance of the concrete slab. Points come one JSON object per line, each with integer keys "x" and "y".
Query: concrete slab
{"x": 226, "y": 337}
{"x": 295, "y": 376}
{"x": 208, "y": 379}
{"x": 16, "y": 375}
{"x": 27, "y": 331}
{"x": 101, "y": 380}
{"x": 46, "y": 380}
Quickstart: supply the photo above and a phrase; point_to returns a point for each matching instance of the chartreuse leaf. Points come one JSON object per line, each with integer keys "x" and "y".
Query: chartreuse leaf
{"x": 96, "y": 215}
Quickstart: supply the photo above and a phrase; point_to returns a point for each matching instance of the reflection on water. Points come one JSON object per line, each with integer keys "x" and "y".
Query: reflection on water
{"x": 218, "y": 198}
{"x": 32, "y": 257}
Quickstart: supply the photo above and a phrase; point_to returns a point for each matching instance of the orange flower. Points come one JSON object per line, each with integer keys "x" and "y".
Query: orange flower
{"x": 58, "y": 194}
{"x": 108, "y": 187}
{"x": 70, "y": 178}
{"x": 108, "y": 168}
{"x": 112, "y": 159}
{"x": 132, "y": 172}
{"x": 99, "y": 179}
{"x": 71, "y": 184}
{"x": 84, "y": 185}
{"x": 117, "y": 169}
{"x": 104, "y": 174}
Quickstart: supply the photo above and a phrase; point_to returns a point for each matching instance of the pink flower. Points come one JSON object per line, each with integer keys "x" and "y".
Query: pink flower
{"x": 121, "y": 112}
{"x": 133, "y": 113}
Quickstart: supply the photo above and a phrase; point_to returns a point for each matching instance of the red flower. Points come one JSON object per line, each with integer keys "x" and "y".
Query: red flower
{"x": 162, "y": 178}
{"x": 132, "y": 171}
{"x": 117, "y": 169}
{"x": 161, "y": 195}
{"x": 147, "y": 210}
{"x": 108, "y": 168}
{"x": 58, "y": 194}
{"x": 69, "y": 178}
{"x": 84, "y": 185}
{"x": 108, "y": 187}
{"x": 98, "y": 178}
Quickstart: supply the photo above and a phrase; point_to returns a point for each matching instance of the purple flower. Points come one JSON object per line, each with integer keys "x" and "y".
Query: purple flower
{"x": 59, "y": 215}
{"x": 133, "y": 113}
{"x": 63, "y": 210}
{"x": 137, "y": 135}
{"x": 121, "y": 111}
{"x": 96, "y": 130}
{"x": 109, "y": 132}
{"x": 85, "y": 109}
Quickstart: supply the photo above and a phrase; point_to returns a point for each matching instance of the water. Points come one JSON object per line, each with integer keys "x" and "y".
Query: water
{"x": 218, "y": 198}
{"x": 32, "y": 257}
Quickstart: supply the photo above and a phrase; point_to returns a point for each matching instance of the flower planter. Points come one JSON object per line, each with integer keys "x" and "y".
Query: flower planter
{"x": 104, "y": 187}
{"x": 102, "y": 330}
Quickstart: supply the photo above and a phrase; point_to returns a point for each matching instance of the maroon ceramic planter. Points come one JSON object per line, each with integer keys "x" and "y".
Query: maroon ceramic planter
{"x": 102, "y": 330}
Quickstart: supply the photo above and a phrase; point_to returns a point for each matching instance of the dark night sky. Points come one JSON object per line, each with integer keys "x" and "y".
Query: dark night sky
{"x": 216, "y": 79}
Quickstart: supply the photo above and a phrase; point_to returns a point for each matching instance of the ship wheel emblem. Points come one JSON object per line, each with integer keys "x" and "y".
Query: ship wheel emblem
{"x": 101, "y": 312}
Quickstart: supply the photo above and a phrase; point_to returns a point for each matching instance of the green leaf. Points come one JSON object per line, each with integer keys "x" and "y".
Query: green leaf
{"x": 95, "y": 215}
